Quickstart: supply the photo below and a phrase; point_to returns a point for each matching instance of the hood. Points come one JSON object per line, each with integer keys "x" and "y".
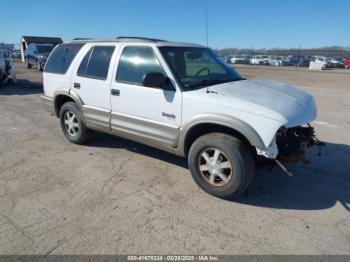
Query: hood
{"x": 278, "y": 101}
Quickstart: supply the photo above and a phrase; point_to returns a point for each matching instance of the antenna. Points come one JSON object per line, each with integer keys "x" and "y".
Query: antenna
{"x": 206, "y": 26}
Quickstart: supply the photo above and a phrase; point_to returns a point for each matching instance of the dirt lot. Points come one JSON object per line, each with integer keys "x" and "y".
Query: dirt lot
{"x": 115, "y": 196}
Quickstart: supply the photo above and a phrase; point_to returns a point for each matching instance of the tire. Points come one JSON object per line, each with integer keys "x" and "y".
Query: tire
{"x": 72, "y": 123}
{"x": 38, "y": 65}
{"x": 28, "y": 65}
{"x": 233, "y": 152}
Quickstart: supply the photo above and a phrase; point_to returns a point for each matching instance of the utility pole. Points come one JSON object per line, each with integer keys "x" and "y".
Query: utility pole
{"x": 206, "y": 26}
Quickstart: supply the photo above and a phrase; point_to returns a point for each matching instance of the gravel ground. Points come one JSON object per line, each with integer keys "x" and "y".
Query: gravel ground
{"x": 116, "y": 196}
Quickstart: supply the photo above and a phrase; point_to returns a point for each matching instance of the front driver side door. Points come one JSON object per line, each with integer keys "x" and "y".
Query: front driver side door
{"x": 149, "y": 115}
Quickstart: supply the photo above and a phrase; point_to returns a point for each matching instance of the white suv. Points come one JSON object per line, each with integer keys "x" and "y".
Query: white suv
{"x": 180, "y": 98}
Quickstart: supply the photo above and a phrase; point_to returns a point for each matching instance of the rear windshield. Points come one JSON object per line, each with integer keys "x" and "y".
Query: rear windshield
{"x": 61, "y": 58}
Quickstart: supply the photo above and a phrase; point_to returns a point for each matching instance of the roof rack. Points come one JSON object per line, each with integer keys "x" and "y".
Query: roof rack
{"x": 82, "y": 38}
{"x": 135, "y": 38}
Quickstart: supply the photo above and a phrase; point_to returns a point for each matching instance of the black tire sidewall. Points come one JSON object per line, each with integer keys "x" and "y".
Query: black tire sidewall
{"x": 234, "y": 154}
{"x": 27, "y": 63}
{"x": 72, "y": 107}
{"x": 38, "y": 64}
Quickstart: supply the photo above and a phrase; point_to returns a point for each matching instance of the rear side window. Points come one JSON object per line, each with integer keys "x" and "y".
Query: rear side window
{"x": 61, "y": 58}
{"x": 96, "y": 62}
{"x": 135, "y": 63}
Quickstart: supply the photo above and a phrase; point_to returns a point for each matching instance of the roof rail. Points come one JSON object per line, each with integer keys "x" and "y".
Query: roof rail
{"x": 135, "y": 38}
{"x": 82, "y": 38}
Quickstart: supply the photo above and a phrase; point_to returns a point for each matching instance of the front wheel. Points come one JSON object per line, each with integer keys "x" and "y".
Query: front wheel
{"x": 72, "y": 123}
{"x": 221, "y": 165}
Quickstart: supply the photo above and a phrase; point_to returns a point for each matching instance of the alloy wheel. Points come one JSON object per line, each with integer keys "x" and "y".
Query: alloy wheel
{"x": 215, "y": 167}
{"x": 71, "y": 123}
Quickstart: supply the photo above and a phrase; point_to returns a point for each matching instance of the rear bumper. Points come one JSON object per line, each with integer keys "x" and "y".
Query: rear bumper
{"x": 48, "y": 103}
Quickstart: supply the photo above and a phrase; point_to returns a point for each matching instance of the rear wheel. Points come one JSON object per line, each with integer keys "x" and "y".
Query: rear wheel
{"x": 221, "y": 165}
{"x": 38, "y": 65}
{"x": 28, "y": 65}
{"x": 72, "y": 123}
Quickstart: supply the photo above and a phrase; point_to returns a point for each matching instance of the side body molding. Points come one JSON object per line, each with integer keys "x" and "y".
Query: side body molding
{"x": 228, "y": 121}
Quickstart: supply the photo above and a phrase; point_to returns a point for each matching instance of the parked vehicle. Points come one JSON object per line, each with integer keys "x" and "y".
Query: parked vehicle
{"x": 334, "y": 63}
{"x": 16, "y": 54}
{"x": 260, "y": 60}
{"x": 182, "y": 99}
{"x": 36, "y": 54}
{"x": 240, "y": 59}
{"x": 300, "y": 61}
{"x": 275, "y": 60}
{"x": 346, "y": 63}
{"x": 223, "y": 59}
{"x": 7, "y": 68}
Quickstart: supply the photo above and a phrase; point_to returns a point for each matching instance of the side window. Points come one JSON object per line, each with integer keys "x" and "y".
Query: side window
{"x": 96, "y": 62}
{"x": 61, "y": 58}
{"x": 29, "y": 48}
{"x": 135, "y": 63}
{"x": 83, "y": 65}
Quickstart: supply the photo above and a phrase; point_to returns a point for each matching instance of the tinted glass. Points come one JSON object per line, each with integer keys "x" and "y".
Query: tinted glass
{"x": 44, "y": 48}
{"x": 135, "y": 63}
{"x": 61, "y": 58}
{"x": 96, "y": 62}
{"x": 83, "y": 65}
{"x": 197, "y": 67}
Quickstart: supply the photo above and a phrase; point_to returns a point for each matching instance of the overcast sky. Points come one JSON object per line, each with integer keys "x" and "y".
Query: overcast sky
{"x": 232, "y": 23}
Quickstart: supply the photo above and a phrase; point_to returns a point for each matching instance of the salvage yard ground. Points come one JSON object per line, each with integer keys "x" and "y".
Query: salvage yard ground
{"x": 116, "y": 196}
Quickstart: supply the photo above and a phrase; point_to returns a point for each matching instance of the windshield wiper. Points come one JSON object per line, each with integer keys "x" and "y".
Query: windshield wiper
{"x": 209, "y": 82}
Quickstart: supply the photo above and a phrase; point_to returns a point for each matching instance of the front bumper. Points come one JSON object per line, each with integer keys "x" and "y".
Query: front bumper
{"x": 48, "y": 103}
{"x": 290, "y": 144}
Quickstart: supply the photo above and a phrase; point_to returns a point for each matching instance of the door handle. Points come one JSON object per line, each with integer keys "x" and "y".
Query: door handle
{"x": 115, "y": 92}
{"x": 77, "y": 85}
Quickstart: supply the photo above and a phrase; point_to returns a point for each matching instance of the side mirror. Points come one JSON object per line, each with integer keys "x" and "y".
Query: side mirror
{"x": 156, "y": 80}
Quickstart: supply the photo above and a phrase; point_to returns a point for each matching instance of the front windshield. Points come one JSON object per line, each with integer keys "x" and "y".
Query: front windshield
{"x": 197, "y": 67}
{"x": 44, "y": 49}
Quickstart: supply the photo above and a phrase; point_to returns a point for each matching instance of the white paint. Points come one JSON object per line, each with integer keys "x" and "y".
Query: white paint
{"x": 263, "y": 105}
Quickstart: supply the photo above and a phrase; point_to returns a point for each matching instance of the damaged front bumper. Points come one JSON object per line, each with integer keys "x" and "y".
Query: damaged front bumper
{"x": 293, "y": 142}
{"x": 290, "y": 144}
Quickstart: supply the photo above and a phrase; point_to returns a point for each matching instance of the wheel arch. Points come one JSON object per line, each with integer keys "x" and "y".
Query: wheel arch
{"x": 216, "y": 123}
{"x": 64, "y": 95}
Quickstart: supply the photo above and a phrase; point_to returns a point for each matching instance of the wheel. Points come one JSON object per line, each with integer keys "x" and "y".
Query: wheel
{"x": 28, "y": 65}
{"x": 221, "y": 165}
{"x": 72, "y": 124}
{"x": 38, "y": 65}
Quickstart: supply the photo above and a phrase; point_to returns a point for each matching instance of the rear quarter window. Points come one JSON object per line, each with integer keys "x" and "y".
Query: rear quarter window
{"x": 96, "y": 62}
{"x": 61, "y": 58}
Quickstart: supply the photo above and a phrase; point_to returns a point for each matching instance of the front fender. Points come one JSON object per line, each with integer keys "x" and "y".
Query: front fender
{"x": 247, "y": 130}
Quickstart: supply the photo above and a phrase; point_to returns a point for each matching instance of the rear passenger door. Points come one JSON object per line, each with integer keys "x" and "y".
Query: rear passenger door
{"x": 91, "y": 81}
